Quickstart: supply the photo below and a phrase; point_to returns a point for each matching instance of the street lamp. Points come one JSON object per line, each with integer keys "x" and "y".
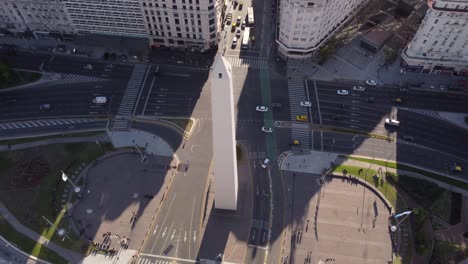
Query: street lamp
{"x": 393, "y": 228}
{"x": 65, "y": 178}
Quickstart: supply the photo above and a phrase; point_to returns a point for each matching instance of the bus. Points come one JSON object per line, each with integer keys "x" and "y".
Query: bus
{"x": 246, "y": 39}
{"x": 250, "y": 16}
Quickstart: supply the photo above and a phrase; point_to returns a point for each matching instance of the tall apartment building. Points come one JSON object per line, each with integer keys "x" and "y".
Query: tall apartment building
{"x": 112, "y": 17}
{"x": 18, "y": 16}
{"x": 172, "y": 23}
{"x": 182, "y": 23}
{"x": 305, "y": 25}
{"x": 441, "y": 42}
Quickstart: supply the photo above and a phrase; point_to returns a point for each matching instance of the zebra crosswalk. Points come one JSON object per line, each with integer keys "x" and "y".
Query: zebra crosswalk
{"x": 296, "y": 90}
{"x": 69, "y": 78}
{"x": 257, "y": 155}
{"x": 430, "y": 113}
{"x": 130, "y": 97}
{"x": 43, "y": 123}
{"x": 250, "y": 62}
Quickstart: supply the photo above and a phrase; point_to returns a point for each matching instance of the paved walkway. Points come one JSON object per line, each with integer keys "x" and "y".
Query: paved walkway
{"x": 152, "y": 144}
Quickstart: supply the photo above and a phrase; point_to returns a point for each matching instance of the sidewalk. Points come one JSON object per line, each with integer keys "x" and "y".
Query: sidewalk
{"x": 151, "y": 144}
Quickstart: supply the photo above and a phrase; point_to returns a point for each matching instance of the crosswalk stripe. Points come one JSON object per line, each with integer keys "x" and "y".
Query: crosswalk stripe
{"x": 8, "y": 125}
{"x": 2, "y": 126}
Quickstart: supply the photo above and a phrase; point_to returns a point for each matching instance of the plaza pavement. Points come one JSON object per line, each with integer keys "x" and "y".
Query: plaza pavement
{"x": 340, "y": 220}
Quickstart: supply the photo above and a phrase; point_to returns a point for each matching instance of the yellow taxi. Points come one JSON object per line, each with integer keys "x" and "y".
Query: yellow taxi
{"x": 302, "y": 118}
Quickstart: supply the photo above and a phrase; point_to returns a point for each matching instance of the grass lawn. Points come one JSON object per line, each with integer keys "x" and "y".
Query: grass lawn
{"x": 429, "y": 174}
{"x": 386, "y": 188}
{"x": 28, "y": 245}
{"x": 35, "y": 176}
{"x": 32, "y": 139}
{"x": 19, "y": 78}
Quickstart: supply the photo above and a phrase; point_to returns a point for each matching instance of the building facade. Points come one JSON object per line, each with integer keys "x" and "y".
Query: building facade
{"x": 192, "y": 24}
{"x": 111, "y": 17}
{"x": 305, "y": 25}
{"x": 47, "y": 16}
{"x": 440, "y": 45}
{"x": 182, "y": 23}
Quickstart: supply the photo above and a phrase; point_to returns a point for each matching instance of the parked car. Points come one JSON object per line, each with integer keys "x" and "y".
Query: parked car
{"x": 371, "y": 82}
{"x": 267, "y": 129}
{"x": 261, "y": 108}
{"x": 359, "y": 88}
{"x": 342, "y": 92}
{"x": 306, "y": 104}
{"x": 238, "y": 33}
{"x": 88, "y": 67}
{"x": 243, "y": 25}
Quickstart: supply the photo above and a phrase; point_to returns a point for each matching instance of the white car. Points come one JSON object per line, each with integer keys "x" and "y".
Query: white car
{"x": 342, "y": 92}
{"x": 306, "y": 104}
{"x": 238, "y": 33}
{"x": 265, "y": 163}
{"x": 359, "y": 88}
{"x": 392, "y": 122}
{"x": 261, "y": 108}
{"x": 234, "y": 42}
{"x": 371, "y": 82}
{"x": 267, "y": 129}
{"x": 100, "y": 100}
{"x": 88, "y": 67}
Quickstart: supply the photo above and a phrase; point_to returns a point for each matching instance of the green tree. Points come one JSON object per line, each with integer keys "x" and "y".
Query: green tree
{"x": 390, "y": 55}
{"x": 5, "y": 72}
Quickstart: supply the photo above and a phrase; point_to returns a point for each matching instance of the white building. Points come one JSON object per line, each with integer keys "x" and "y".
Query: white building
{"x": 112, "y": 17}
{"x": 182, "y": 23}
{"x": 18, "y": 16}
{"x": 172, "y": 23}
{"x": 224, "y": 135}
{"x": 305, "y": 25}
{"x": 440, "y": 45}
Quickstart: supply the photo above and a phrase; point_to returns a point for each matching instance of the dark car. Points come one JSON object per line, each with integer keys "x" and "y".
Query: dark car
{"x": 408, "y": 138}
{"x": 45, "y": 107}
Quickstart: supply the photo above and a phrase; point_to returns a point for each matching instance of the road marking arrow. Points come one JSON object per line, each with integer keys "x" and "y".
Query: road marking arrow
{"x": 156, "y": 229}
{"x": 185, "y": 236}
{"x": 164, "y": 233}
{"x": 173, "y": 233}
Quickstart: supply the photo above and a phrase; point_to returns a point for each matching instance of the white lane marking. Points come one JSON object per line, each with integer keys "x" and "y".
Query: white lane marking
{"x": 164, "y": 233}
{"x": 185, "y": 236}
{"x": 155, "y": 230}
{"x": 173, "y": 234}
{"x": 171, "y": 258}
{"x": 170, "y": 206}
{"x": 191, "y": 221}
{"x": 194, "y": 236}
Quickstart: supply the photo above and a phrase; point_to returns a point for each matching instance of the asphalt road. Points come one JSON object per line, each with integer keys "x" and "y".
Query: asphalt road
{"x": 354, "y": 112}
{"x": 176, "y": 230}
{"x": 65, "y": 99}
{"x": 172, "y": 92}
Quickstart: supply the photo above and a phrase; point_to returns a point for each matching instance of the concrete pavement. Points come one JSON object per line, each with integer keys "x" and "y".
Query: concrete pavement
{"x": 151, "y": 144}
